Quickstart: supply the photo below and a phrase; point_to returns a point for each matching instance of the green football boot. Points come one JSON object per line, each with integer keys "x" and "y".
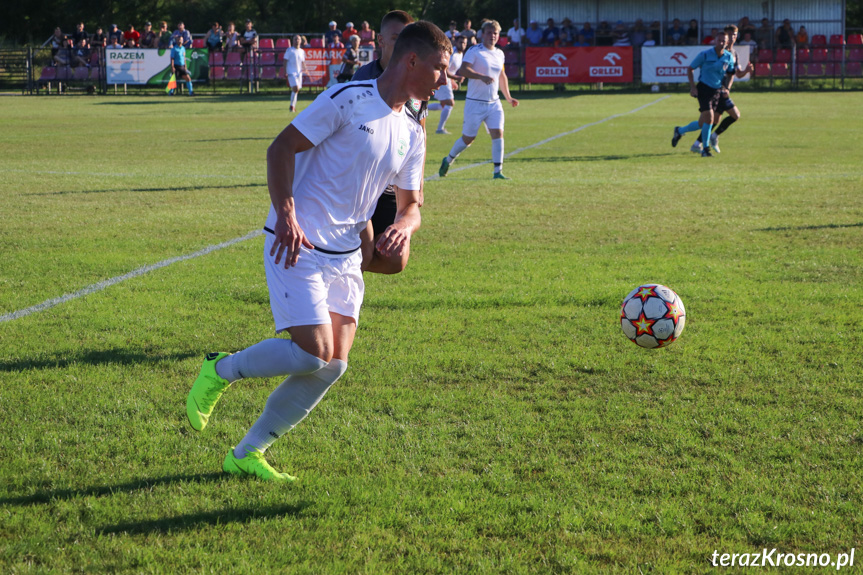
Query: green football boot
{"x": 254, "y": 464}
{"x": 444, "y": 168}
{"x": 500, "y": 176}
{"x": 205, "y": 392}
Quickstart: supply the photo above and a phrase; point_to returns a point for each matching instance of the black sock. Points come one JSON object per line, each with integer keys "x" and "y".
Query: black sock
{"x": 724, "y": 124}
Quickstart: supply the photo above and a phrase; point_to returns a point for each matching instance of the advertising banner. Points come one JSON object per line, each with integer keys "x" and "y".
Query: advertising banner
{"x": 579, "y": 65}
{"x": 323, "y": 65}
{"x": 151, "y": 66}
{"x": 668, "y": 64}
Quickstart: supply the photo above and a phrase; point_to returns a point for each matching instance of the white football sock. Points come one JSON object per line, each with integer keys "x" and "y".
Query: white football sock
{"x": 288, "y": 405}
{"x": 444, "y": 116}
{"x": 457, "y": 149}
{"x": 497, "y": 154}
{"x": 268, "y": 358}
{"x": 434, "y": 106}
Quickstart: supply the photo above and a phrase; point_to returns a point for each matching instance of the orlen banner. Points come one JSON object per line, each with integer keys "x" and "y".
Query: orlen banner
{"x": 578, "y": 65}
{"x": 151, "y": 66}
{"x": 668, "y": 64}
{"x": 323, "y": 65}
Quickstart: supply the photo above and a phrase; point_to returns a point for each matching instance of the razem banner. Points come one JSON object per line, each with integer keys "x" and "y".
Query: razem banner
{"x": 668, "y": 64}
{"x": 151, "y": 66}
{"x": 581, "y": 65}
{"x": 323, "y": 65}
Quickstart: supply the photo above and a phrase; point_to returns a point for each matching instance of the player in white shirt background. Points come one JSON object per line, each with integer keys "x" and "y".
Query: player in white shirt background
{"x": 321, "y": 199}
{"x": 295, "y": 67}
{"x": 483, "y": 66}
{"x": 445, "y": 95}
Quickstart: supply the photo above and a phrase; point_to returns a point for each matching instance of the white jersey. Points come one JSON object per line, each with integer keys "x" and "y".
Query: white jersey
{"x": 455, "y": 62}
{"x": 488, "y": 63}
{"x": 294, "y": 58}
{"x": 361, "y": 146}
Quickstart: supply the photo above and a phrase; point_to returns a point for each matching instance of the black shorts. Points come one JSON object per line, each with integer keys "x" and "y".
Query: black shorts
{"x": 725, "y": 102}
{"x": 180, "y": 71}
{"x": 708, "y": 98}
{"x": 385, "y": 213}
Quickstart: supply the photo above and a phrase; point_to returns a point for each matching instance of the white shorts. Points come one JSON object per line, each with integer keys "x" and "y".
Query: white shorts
{"x": 319, "y": 284}
{"x": 475, "y": 113}
{"x": 295, "y": 81}
{"x": 444, "y": 92}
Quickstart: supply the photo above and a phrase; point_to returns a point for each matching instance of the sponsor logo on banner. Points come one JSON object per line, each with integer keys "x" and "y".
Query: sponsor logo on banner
{"x": 558, "y": 71}
{"x": 574, "y": 65}
{"x": 670, "y": 64}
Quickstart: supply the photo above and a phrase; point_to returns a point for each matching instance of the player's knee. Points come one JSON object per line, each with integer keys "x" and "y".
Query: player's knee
{"x": 467, "y": 140}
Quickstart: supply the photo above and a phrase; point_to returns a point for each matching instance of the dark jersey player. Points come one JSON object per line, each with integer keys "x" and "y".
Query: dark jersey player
{"x": 387, "y": 208}
{"x": 726, "y": 104}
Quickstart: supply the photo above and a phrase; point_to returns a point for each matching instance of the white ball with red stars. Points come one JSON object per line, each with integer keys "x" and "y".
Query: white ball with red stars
{"x": 652, "y": 315}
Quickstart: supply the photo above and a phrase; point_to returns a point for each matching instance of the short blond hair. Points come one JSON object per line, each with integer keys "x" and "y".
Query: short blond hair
{"x": 488, "y": 23}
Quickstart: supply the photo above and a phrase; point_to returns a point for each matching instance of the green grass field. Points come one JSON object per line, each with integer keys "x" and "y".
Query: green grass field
{"x": 493, "y": 419}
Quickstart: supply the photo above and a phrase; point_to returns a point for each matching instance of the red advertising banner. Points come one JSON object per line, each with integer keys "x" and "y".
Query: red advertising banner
{"x": 586, "y": 65}
{"x": 318, "y": 62}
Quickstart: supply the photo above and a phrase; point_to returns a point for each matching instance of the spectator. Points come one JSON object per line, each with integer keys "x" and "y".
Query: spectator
{"x": 133, "y": 35}
{"x": 79, "y": 33}
{"x": 515, "y": 34}
{"x": 333, "y": 35}
{"x": 638, "y": 34}
{"x": 655, "y": 35}
{"x": 551, "y": 34}
{"x": 184, "y": 35}
{"x": 81, "y": 54}
{"x": 603, "y": 34}
{"x": 620, "y": 35}
{"x": 99, "y": 39}
{"x": 692, "y": 37}
{"x": 348, "y": 32}
{"x": 468, "y": 32}
{"x": 453, "y": 32}
{"x": 785, "y": 35}
{"x": 745, "y": 26}
{"x": 350, "y": 60}
{"x": 588, "y": 33}
{"x": 675, "y": 36}
{"x": 57, "y": 41}
{"x": 753, "y": 45}
{"x": 249, "y": 39}
{"x": 231, "y": 39}
{"x": 533, "y": 34}
{"x": 129, "y": 44}
{"x": 114, "y": 33}
{"x": 164, "y": 36}
{"x": 366, "y": 34}
{"x": 149, "y": 39}
{"x": 115, "y": 44}
{"x": 764, "y": 35}
{"x": 213, "y": 39}
{"x": 802, "y": 38}
{"x": 581, "y": 41}
{"x": 708, "y": 40}
{"x": 63, "y": 54}
{"x": 568, "y": 33}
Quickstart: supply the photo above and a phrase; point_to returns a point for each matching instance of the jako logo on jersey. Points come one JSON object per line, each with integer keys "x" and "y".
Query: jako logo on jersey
{"x": 403, "y": 147}
{"x": 365, "y": 128}
{"x": 612, "y": 58}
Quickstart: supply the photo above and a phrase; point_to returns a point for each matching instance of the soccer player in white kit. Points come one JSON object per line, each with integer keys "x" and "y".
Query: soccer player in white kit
{"x": 295, "y": 67}
{"x": 445, "y": 95}
{"x": 321, "y": 198}
{"x": 483, "y": 66}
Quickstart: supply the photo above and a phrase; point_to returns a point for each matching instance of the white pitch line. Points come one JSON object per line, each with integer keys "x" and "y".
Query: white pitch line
{"x": 115, "y": 280}
{"x": 209, "y": 249}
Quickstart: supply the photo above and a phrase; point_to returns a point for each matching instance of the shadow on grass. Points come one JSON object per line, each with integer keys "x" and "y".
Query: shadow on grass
{"x": 195, "y": 520}
{"x": 163, "y": 189}
{"x": 601, "y": 158}
{"x": 268, "y": 139}
{"x": 821, "y": 227}
{"x": 48, "y": 495}
{"x": 92, "y": 357}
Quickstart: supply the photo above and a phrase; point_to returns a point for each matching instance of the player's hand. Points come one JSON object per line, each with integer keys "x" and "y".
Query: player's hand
{"x": 421, "y": 199}
{"x": 693, "y": 92}
{"x": 393, "y": 241}
{"x": 289, "y": 238}
{"x": 750, "y": 68}
{"x": 487, "y": 79}
{"x": 514, "y": 102}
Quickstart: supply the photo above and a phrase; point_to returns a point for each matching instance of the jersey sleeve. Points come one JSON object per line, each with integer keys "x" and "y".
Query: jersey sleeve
{"x": 320, "y": 119}
{"x": 469, "y": 56}
{"x": 411, "y": 175}
{"x": 697, "y": 61}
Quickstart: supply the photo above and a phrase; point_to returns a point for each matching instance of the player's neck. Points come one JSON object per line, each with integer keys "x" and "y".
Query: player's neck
{"x": 392, "y": 91}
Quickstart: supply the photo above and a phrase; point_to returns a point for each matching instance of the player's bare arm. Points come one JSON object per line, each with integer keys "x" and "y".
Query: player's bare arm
{"x": 467, "y": 71}
{"x": 281, "y": 156}
{"x": 693, "y": 91}
{"x": 503, "y": 82}
{"x": 396, "y": 238}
